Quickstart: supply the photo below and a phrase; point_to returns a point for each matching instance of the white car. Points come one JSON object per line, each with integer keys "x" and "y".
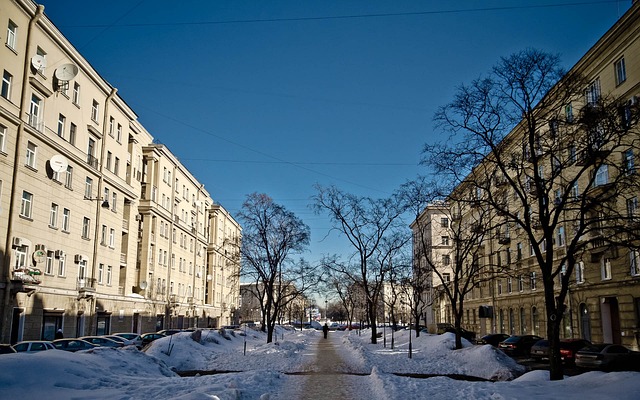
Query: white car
{"x": 131, "y": 338}
{"x": 33, "y": 346}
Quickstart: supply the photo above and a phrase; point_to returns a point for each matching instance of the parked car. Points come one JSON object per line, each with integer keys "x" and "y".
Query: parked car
{"x": 150, "y": 337}
{"x": 607, "y": 357}
{"x": 493, "y": 339}
{"x": 133, "y": 338}
{"x": 518, "y": 345}
{"x": 469, "y": 335}
{"x": 102, "y": 341}
{"x": 33, "y": 346}
{"x": 568, "y": 349}
{"x": 169, "y": 332}
{"x": 6, "y": 349}
{"x": 72, "y": 345}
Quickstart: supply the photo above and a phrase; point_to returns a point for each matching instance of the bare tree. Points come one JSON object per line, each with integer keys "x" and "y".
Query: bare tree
{"x": 271, "y": 236}
{"x": 550, "y": 156}
{"x": 371, "y": 226}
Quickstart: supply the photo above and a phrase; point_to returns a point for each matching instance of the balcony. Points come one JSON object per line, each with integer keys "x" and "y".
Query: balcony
{"x": 26, "y": 275}
{"x": 125, "y": 225}
{"x": 504, "y": 238}
{"x": 86, "y": 287}
{"x": 123, "y": 259}
{"x": 92, "y": 161}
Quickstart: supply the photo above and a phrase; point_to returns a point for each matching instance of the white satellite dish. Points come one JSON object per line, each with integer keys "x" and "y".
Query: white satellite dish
{"x": 58, "y": 163}
{"x": 39, "y": 62}
{"x": 143, "y": 285}
{"x": 66, "y": 72}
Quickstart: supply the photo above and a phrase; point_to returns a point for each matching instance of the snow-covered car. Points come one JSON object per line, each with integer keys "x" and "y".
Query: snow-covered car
{"x": 33, "y": 346}
{"x": 6, "y": 349}
{"x": 150, "y": 337}
{"x": 102, "y": 341}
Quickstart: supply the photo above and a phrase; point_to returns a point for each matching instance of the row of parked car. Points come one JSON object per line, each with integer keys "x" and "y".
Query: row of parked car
{"x": 581, "y": 352}
{"x": 86, "y": 342}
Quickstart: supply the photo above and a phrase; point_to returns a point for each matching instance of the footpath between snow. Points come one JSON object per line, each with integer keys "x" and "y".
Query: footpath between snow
{"x": 265, "y": 371}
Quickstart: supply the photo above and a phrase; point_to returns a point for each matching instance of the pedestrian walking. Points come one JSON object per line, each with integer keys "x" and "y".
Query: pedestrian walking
{"x": 325, "y": 330}
{"x": 59, "y": 334}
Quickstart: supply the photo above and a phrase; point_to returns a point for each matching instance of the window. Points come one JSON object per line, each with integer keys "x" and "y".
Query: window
{"x": 26, "y": 204}
{"x": 48, "y": 266}
{"x": 112, "y": 123}
{"x": 35, "y": 112}
{"x": 12, "y": 33}
{"x": 445, "y": 240}
{"x": 532, "y": 281}
{"x": 519, "y": 251}
{"x": 114, "y": 201}
{"x": 579, "y": 272}
{"x": 103, "y": 235}
{"x": 628, "y": 162}
{"x": 3, "y": 135}
{"x": 119, "y": 133}
{"x": 86, "y": 225}
{"x": 521, "y": 283}
{"x": 88, "y": 188}
{"x": 575, "y": 190}
{"x": 53, "y": 216}
{"x": 76, "y": 94}
{"x": 444, "y": 222}
{"x": 568, "y": 113}
{"x": 100, "y": 273}
{"x": 91, "y": 151}
{"x": 109, "y": 160}
{"x": 109, "y": 273}
{"x": 62, "y": 120}
{"x": 31, "y": 155}
{"x": 593, "y": 93}
{"x": 43, "y": 54}
{"x": 61, "y": 264}
{"x": 560, "y": 237}
{"x": 66, "y": 214}
{"x": 5, "y": 92}
{"x": 116, "y": 165}
{"x": 509, "y": 285}
{"x": 606, "y": 268}
{"x": 499, "y": 286}
{"x": 602, "y": 175}
{"x": 82, "y": 270}
{"x": 95, "y": 111}
{"x": 68, "y": 180}
{"x": 632, "y": 207}
{"x": 446, "y": 277}
{"x": 72, "y": 133}
{"x": 446, "y": 259}
{"x": 634, "y": 262}
{"x": 620, "y": 71}
{"x": 112, "y": 237}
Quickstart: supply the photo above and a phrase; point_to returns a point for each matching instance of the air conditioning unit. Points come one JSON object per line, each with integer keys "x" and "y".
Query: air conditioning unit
{"x": 41, "y": 247}
{"x": 17, "y": 242}
{"x": 138, "y": 217}
{"x": 78, "y": 258}
{"x": 59, "y": 254}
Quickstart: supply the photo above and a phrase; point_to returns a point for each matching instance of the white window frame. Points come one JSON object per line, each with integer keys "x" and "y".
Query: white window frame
{"x": 53, "y": 216}
{"x": 95, "y": 111}
{"x": 12, "y": 35}
{"x": 112, "y": 238}
{"x": 76, "y": 94}
{"x": 593, "y": 92}
{"x": 579, "y": 272}
{"x": 100, "y": 273}
{"x": 48, "y": 266}
{"x": 634, "y": 263}
{"x": 21, "y": 257}
{"x": 61, "y": 266}
{"x": 109, "y": 274}
{"x": 68, "y": 179}
{"x": 7, "y": 80}
{"x": 532, "y": 281}
{"x": 605, "y": 266}
{"x": 560, "y": 237}
{"x": 3, "y": 137}
{"x": 88, "y": 188}
{"x": 620, "y": 71}
{"x": 86, "y": 227}
{"x": 36, "y": 112}
{"x": 66, "y": 216}
{"x": 32, "y": 153}
{"x": 602, "y": 175}
{"x": 26, "y": 204}
{"x": 62, "y": 122}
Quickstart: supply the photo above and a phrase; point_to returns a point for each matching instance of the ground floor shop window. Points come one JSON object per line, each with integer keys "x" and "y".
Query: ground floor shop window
{"x": 51, "y": 322}
{"x": 103, "y": 326}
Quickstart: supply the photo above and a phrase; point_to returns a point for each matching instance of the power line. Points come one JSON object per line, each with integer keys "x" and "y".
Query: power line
{"x": 351, "y": 16}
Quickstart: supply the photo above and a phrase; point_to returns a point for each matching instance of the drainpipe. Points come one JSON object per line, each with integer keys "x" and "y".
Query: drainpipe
{"x": 6, "y": 309}
{"x": 94, "y": 256}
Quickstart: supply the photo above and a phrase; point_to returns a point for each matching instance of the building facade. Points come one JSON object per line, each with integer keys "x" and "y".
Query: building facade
{"x": 603, "y": 299}
{"x": 103, "y": 230}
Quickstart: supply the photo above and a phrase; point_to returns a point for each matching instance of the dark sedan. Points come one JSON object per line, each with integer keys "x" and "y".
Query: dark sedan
{"x": 607, "y": 357}
{"x": 150, "y": 337}
{"x": 568, "y": 349}
{"x": 493, "y": 339}
{"x": 518, "y": 345}
{"x": 72, "y": 345}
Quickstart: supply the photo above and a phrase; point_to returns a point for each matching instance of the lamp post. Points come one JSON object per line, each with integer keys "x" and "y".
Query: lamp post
{"x": 326, "y": 311}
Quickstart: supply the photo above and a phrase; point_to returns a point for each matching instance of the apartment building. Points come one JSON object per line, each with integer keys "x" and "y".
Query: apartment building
{"x": 603, "y": 299}
{"x": 102, "y": 229}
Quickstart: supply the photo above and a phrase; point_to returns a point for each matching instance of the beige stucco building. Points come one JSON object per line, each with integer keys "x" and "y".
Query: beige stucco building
{"x": 101, "y": 229}
{"x": 603, "y": 302}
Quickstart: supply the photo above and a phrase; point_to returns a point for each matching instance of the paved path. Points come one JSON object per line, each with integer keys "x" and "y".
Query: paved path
{"x": 327, "y": 376}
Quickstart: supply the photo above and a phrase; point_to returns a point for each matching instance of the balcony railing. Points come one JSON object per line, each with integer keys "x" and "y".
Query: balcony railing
{"x": 92, "y": 161}
{"x": 86, "y": 285}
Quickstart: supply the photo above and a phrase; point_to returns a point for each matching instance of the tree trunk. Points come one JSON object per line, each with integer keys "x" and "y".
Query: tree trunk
{"x": 553, "y": 335}
{"x": 372, "y": 323}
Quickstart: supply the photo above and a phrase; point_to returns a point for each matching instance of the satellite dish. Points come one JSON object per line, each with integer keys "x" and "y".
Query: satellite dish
{"x": 39, "y": 256}
{"x": 58, "y": 163}
{"x": 39, "y": 62}
{"x": 143, "y": 285}
{"x": 66, "y": 72}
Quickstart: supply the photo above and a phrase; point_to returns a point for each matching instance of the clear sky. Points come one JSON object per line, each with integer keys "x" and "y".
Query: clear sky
{"x": 276, "y": 96}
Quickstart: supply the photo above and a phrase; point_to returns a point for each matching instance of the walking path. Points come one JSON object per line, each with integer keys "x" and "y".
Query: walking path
{"x": 328, "y": 375}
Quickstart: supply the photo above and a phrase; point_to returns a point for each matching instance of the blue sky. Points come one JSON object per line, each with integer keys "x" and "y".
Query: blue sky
{"x": 276, "y": 96}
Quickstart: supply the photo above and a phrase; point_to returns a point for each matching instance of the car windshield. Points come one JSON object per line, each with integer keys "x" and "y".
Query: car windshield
{"x": 513, "y": 339}
{"x": 595, "y": 348}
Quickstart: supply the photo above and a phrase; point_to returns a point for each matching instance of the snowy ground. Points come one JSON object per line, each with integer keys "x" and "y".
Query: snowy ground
{"x": 130, "y": 374}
